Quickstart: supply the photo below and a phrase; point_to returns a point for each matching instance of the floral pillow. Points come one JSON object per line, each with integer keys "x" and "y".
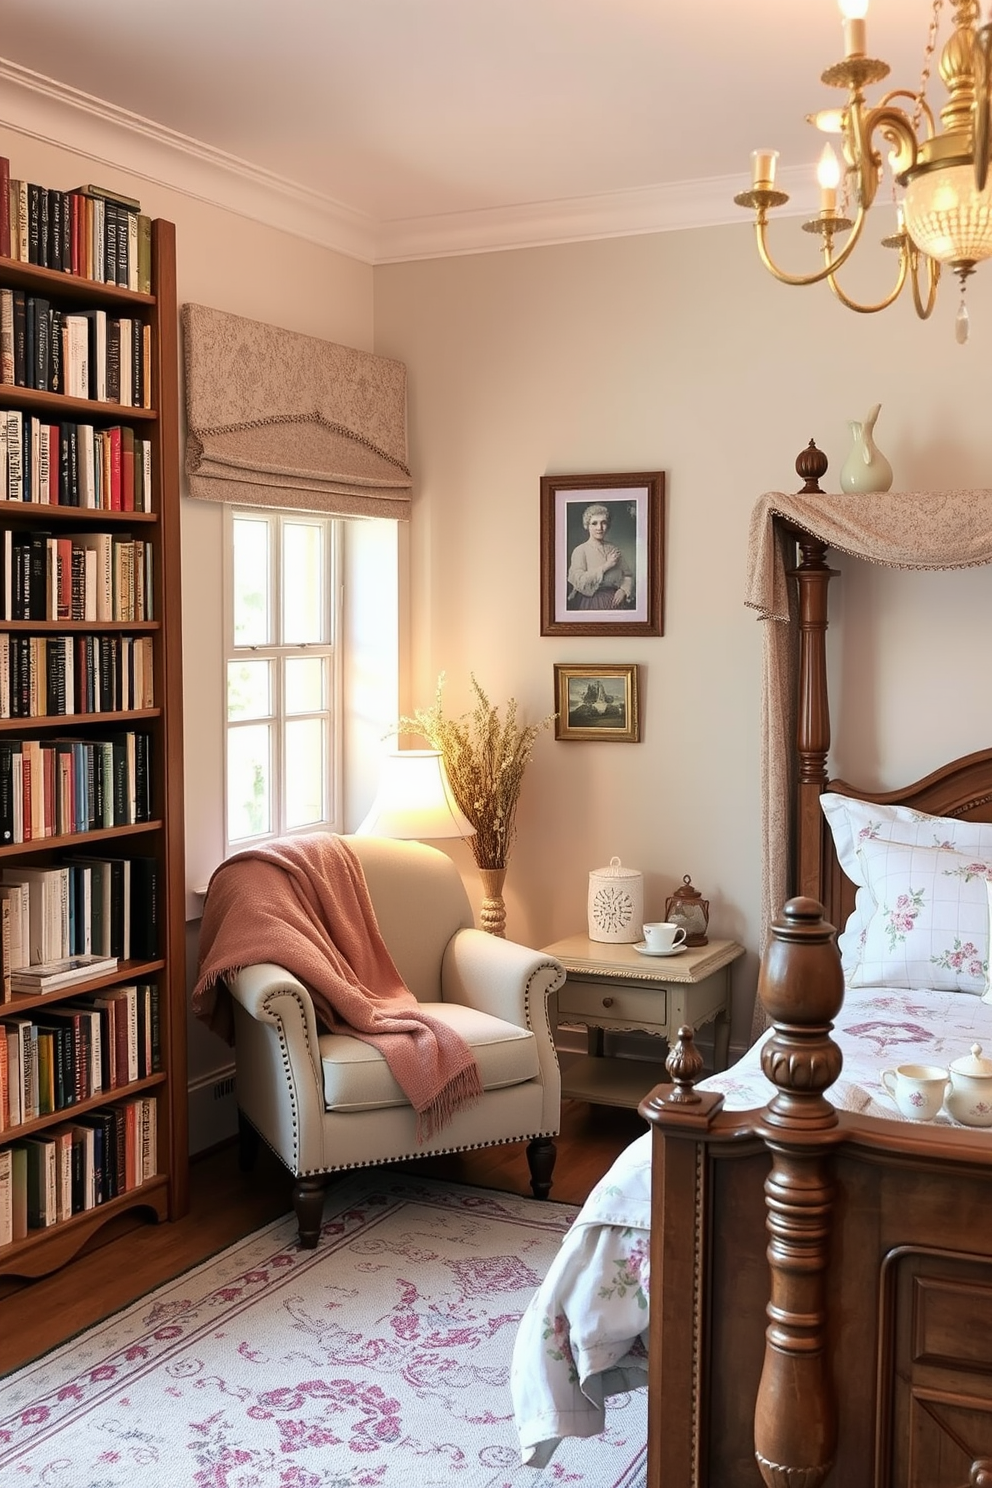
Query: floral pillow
{"x": 929, "y": 925}
{"x": 853, "y": 823}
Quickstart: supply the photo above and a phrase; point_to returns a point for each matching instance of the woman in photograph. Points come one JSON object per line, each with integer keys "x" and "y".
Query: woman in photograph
{"x": 598, "y": 575}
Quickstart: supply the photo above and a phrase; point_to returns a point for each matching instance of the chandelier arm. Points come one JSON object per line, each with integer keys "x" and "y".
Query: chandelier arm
{"x": 801, "y": 280}
{"x": 933, "y": 279}
{"x": 895, "y": 126}
{"x": 882, "y": 304}
{"x": 926, "y": 111}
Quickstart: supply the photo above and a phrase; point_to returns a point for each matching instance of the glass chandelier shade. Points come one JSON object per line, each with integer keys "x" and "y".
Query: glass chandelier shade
{"x": 948, "y": 217}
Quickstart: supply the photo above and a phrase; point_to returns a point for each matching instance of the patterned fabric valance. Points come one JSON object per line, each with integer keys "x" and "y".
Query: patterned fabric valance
{"x": 275, "y": 418}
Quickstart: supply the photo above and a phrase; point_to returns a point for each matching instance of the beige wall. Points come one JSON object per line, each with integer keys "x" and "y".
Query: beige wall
{"x": 676, "y": 352}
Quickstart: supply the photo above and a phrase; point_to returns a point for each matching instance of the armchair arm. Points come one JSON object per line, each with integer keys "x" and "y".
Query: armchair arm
{"x": 272, "y": 995}
{"x": 499, "y": 977}
{"x": 280, "y": 1079}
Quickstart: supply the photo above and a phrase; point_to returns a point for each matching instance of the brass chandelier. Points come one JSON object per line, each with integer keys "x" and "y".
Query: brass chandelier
{"x": 945, "y": 213}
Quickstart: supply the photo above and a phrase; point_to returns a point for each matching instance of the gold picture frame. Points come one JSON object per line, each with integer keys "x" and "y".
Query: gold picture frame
{"x": 597, "y": 701}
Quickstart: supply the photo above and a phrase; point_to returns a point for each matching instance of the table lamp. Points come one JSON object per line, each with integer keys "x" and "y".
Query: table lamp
{"x": 414, "y": 799}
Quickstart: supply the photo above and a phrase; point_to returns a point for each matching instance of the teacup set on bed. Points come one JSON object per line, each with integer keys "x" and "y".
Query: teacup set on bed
{"x": 964, "y": 1090}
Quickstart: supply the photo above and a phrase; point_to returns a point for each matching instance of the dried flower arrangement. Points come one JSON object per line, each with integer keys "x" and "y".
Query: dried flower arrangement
{"x": 485, "y": 758}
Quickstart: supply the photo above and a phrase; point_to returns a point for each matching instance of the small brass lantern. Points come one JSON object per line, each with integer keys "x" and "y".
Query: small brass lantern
{"x": 688, "y": 908}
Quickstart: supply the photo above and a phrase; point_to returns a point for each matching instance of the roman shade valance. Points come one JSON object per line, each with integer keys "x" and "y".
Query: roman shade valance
{"x": 276, "y": 418}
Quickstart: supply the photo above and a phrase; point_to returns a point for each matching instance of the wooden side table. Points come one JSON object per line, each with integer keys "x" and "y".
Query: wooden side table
{"x": 616, "y": 987}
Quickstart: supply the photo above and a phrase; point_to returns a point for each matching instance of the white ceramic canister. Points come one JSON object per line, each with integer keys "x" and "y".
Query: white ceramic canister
{"x": 616, "y": 904}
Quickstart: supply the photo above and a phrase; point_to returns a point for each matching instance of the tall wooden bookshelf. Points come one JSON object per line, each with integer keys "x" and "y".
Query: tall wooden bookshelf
{"x": 164, "y": 1195}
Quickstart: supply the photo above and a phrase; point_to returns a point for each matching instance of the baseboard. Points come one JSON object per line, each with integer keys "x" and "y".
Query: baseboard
{"x": 213, "y": 1110}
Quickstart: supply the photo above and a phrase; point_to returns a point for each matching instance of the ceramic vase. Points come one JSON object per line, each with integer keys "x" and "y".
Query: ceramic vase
{"x": 866, "y": 468}
{"x": 492, "y": 916}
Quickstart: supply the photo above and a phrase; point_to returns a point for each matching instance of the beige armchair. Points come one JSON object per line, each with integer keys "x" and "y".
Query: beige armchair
{"x": 326, "y": 1101}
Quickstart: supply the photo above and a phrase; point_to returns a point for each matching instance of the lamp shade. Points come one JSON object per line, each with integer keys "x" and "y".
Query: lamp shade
{"x": 415, "y": 799}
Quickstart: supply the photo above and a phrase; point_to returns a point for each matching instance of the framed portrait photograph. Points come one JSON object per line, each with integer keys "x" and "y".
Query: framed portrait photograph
{"x": 602, "y": 554}
{"x": 597, "y": 701}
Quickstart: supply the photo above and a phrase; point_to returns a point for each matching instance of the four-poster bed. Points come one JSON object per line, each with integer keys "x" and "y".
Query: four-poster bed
{"x": 821, "y": 1273}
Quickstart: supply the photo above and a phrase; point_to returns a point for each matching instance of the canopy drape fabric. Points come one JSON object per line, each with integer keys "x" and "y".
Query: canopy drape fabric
{"x": 912, "y": 530}
{"x": 276, "y": 418}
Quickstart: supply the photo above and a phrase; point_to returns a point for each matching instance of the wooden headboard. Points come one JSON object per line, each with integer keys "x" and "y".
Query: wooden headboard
{"x": 962, "y": 788}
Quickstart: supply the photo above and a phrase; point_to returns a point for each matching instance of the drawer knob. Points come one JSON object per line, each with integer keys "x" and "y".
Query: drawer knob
{"x": 607, "y": 1001}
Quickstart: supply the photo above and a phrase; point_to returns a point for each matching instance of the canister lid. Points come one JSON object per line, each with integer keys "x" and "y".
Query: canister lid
{"x": 615, "y": 869}
{"x": 973, "y": 1063}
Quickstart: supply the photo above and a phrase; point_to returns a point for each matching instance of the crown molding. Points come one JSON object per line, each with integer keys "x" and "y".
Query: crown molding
{"x": 43, "y": 109}
{"x": 615, "y": 214}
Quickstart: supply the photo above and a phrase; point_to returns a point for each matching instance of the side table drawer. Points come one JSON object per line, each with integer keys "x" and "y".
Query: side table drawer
{"x": 609, "y": 1003}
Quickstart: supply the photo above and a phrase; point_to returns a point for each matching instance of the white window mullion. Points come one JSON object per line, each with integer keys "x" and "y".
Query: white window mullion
{"x": 301, "y": 766}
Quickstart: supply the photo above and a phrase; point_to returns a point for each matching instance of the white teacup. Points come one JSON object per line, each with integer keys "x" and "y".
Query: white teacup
{"x": 917, "y": 1089}
{"x": 662, "y": 935}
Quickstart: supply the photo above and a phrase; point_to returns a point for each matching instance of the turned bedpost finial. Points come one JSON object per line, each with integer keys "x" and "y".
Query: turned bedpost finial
{"x": 685, "y": 1065}
{"x": 802, "y": 989}
{"x": 811, "y": 464}
{"x": 981, "y": 1473}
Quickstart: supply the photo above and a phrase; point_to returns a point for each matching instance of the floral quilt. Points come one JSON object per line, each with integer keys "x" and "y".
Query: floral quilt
{"x": 583, "y": 1336}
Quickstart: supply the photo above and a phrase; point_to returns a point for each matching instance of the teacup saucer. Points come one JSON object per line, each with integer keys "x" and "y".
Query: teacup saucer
{"x": 645, "y": 950}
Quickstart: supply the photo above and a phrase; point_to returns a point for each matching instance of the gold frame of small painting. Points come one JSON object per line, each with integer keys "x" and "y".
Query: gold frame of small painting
{"x": 597, "y": 701}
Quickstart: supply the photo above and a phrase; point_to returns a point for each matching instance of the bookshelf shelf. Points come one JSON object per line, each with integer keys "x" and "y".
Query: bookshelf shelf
{"x": 78, "y": 516}
{"x": 69, "y": 287}
{"x": 35, "y": 401}
{"x": 46, "y": 1250}
{"x": 151, "y": 851}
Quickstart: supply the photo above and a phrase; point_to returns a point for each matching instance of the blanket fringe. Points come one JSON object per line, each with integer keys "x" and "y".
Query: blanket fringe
{"x": 463, "y": 1089}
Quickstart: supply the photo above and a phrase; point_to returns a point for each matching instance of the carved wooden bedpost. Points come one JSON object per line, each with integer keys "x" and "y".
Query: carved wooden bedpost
{"x": 802, "y": 989}
{"x": 813, "y": 723}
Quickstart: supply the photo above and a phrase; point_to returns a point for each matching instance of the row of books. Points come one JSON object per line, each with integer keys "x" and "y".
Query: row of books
{"x": 73, "y": 464}
{"x": 60, "y": 787}
{"x": 103, "y": 907}
{"x": 72, "y": 1052}
{"x": 91, "y": 576}
{"x": 76, "y": 1165}
{"x": 66, "y": 675}
{"x": 89, "y": 231}
{"x": 79, "y": 353}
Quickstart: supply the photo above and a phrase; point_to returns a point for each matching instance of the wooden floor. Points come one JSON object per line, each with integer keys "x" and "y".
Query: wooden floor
{"x": 226, "y": 1204}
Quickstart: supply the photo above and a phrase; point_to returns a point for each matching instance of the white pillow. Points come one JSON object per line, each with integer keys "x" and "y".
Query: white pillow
{"x": 853, "y": 822}
{"x": 930, "y": 922}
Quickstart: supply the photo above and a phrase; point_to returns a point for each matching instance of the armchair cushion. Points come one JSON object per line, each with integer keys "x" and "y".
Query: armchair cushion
{"x": 357, "y": 1078}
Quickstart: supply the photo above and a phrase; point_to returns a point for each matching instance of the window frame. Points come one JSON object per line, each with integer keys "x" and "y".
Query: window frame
{"x": 279, "y": 651}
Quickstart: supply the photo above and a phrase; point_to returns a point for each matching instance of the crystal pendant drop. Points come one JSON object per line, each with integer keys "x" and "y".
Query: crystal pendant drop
{"x": 961, "y": 323}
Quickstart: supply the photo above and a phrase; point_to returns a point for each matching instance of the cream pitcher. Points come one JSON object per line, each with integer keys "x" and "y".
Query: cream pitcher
{"x": 866, "y": 468}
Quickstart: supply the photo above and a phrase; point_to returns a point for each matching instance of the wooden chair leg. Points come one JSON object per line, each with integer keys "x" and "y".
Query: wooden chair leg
{"x": 541, "y": 1155}
{"x": 248, "y": 1144}
{"x": 308, "y": 1202}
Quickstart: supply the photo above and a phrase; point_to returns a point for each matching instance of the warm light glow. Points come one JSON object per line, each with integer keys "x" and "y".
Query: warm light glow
{"x": 763, "y": 169}
{"x": 828, "y": 170}
{"x": 415, "y": 800}
{"x": 947, "y": 218}
{"x": 828, "y": 121}
{"x": 828, "y": 175}
{"x": 853, "y": 10}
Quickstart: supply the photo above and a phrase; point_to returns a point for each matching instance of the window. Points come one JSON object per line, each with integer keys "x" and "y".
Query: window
{"x": 282, "y": 674}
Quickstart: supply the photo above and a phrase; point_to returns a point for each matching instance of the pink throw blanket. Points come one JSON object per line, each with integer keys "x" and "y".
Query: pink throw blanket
{"x": 303, "y": 903}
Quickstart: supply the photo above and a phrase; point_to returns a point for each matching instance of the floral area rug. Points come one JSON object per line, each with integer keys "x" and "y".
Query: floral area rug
{"x": 379, "y": 1360}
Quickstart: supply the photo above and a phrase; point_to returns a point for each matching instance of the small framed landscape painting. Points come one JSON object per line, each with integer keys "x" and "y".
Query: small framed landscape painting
{"x": 597, "y": 701}
{"x": 602, "y": 554}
